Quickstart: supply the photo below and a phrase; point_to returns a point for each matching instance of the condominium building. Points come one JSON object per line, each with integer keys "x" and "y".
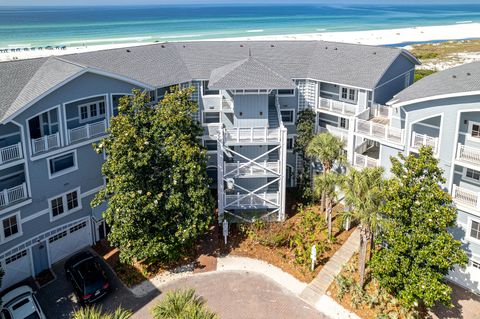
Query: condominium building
{"x": 249, "y": 95}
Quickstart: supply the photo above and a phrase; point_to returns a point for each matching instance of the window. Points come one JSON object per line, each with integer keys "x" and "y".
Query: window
{"x": 475, "y": 129}
{"x": 65, "y": 204}
{"x": 10, "y": 227}
{"x": 211, "y": 117}
{"x": 210, "y": 145}
{"x": 290, "y": 92}
{"x": 78, "y": 227}
{"x": 347, "y": 94}
{"x": 288, "y": 116}
{"x": 91, "y": 111}
{"x": 57, "y": 236}
{"x": 343, "y": 122}
{"x": 475, "y": 263}
{"x": 207, "y": 91}
{"x": 475, "y": 230}
{"x": 62, "y": 164}
{"x": 290, "y": 143}
{"x": 17, "y": 256}
{"x": 473, "y": 174}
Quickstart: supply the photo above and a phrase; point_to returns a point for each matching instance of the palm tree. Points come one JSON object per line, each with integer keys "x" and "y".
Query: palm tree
{"x": 327, "y": 149}
{"x": 362, "y": 190}
{"x": 179, "y": 304}
{"x": 326, "y": 184}
{"x": 96, "y": 313}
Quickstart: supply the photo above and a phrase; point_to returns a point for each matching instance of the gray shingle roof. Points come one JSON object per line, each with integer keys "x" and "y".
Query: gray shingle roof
{"x": 159, "y": 65}
{"x": 24, "y": 81}
{"x": 246, "y": 74}
{"x": 461, "y": 79}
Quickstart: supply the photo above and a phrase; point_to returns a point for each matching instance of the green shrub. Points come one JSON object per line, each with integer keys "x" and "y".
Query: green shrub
{"x": 96, "y": 313}
{"x": 344, "y": 284}
{"x": 180, "y": 304}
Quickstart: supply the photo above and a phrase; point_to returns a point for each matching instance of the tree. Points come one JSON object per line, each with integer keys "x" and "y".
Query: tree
{"x": 156, "y": 181}
{"x": 96, "y": 313}
{"x": 418, "y": 251}
{"x": 305, "y": 125}
{"x": 363, "y": 195}
{"x": 327, "y": 184}
{"x": 179, "y": 304}
{"x": 327, "y": 149}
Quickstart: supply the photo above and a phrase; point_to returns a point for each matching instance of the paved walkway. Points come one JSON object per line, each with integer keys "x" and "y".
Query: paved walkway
{"x": 318, "y": 287}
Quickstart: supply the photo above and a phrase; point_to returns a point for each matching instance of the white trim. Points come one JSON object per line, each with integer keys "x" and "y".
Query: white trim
{"x": 468, "y": 135}
{"x": 64, "y": 171}
{"x": 27, "y": 125}
{"x": 4, "y": 240}
{"x": 394, "y": 103}
{"x": 473, "y": 180}
{"x": 36, "y": 215}
{"x": 66, "y": 212}
{"x": 348, "y": 100}
{"x": 468, "y": 231}
{"x": 211, "y": 111}
{"x": 202, "y": 89}
{"x": 293, "y": 137}
{"x": 294, "y": 116}
{"x": 335, "y": 83}
{"x": 287, "y": 95}
{"x": 67, "y": 148}
{"x": 392, "y": 79}
{"x": 9, "y": 135}
{"x": 88, "y": 106}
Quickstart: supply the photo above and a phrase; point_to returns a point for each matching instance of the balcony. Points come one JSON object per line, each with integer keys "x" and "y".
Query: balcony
{"x": 337, "y": 107}
{"x": 380, "y": 131}
{"x": 253, "y": 135}
{"x": 363, "y": 161}
{"x": 13, "y": 195}
{"x": 87, "y": 131}
{"x": 257, "y": 200}
{"x": 339, "y": 132}
{"x": 11, "y": 153}
{"x": 466, "y": 198}
{"x": 45, "y": 143}
{"x": 246, "y": 169}
{"x": 420, "y": 140}
{"x": 470, "y": 156}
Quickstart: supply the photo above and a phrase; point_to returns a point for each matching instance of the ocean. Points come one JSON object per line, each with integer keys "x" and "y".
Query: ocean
{"x": 80, "y": 26}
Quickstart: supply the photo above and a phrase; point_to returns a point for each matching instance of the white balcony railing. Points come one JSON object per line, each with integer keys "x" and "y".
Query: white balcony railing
{"x": 252, "y": 135}
{"x": 12, "y": 195}
{"x": 466, "y": 197}
{"x": 339, "y": 132}
{"x": 419, "y": 140}
{"x": 468, "y": 154}
{"x": 11, "y": 153}
{"x": 252, "y": 169}
{"x": 381, "y": 110}
{"x": 363, "y": 161}
{"x": 86, "y": 131}
{"x": 271, "y": 199}
{"x": 337, "y": 107}
{"x": 212, "y": 129}
{"x": 379, "y": 131}
{"x": 45, "y": 143}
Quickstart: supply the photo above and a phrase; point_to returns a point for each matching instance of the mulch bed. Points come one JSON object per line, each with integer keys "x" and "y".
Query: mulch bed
{"x": 44, "y": 278}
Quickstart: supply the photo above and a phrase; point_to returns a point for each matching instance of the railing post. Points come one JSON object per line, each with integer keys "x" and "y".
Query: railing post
{"x": 20, "y": 150}
{"x": 45, "y": 142}
{"x": 24, "y": 189}
{"x": 5, "y": 196}
{"x": 87, "y": 127}
{"x": 238, "y": 134}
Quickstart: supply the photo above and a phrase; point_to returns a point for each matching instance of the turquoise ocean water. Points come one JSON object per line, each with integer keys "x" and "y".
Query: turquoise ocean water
{"x": 77, "y": 26}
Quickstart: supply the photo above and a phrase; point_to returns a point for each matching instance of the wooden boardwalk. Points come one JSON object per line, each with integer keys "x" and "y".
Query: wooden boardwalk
{"x": 318, "y": 287}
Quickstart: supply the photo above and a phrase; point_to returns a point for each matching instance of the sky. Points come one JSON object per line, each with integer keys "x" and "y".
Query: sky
{"x": 145, "y": 2}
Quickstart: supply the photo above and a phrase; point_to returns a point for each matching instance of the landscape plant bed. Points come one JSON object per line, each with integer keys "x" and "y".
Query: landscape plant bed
{"x": 371, "y": 303}
{"x": 246, "y": 240}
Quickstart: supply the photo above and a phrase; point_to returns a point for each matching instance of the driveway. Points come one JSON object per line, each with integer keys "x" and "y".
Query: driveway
{"x": 234, "y": 295}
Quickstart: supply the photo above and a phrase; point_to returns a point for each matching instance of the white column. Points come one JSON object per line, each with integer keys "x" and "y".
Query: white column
{"x": 220, "y": 174}
{"x": 283, "y": 175}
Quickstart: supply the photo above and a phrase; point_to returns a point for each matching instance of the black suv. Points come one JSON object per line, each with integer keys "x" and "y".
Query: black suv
{"x": 87, "y": 276}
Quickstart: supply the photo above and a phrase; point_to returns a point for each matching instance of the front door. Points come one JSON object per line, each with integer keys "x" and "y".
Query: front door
{"x": 40, "y": 257}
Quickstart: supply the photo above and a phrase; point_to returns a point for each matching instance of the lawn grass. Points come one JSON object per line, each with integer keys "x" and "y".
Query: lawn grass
{"x": 444, "y": 51}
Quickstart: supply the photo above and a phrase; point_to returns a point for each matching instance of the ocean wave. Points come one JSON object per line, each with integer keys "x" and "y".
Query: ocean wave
{"x": 255, "y": 31}
{"x": 109, "y": 40}
{"x": 463, "y": 22}
{"x": 321, "y": 30}
{"x": 180, "y": 36}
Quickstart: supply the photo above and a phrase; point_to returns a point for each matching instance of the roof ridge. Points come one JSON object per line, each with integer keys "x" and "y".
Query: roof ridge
{"x": 269, "y": 68}
{"x": 70, "y": 62}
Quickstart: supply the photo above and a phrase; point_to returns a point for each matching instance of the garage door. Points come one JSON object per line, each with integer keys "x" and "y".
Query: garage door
{"x": 69, "y": 241}
{"x": 469, "y": 277}
{"x": 17, "y": 268}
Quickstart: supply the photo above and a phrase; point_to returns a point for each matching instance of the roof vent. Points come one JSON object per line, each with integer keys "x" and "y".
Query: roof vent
{"x": 326, "y": 48}
{"x": 128, "y": 50}
{"x": 184, "y": 46}
{"x": 272, "y": 46}
{"x": 163, "y": 46}
{"x": 468, "y": 73}
{"x": 374, "y": 52}
{"x": 335, "y": 49}
{"x": 454, "y": 76}
{"x": 241, "y": 45}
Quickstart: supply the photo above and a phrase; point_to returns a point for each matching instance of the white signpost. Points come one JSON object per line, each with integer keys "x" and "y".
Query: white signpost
{"x": 225, "y": 230}
{"x": 313, "y": 256}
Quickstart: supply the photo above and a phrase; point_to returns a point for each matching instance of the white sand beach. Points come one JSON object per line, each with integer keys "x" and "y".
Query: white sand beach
{"x": 372, "y": 37}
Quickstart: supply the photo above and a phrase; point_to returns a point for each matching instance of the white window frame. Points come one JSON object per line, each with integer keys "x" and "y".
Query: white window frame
{"x": 293, "y": 137}
{"x": 204, "y": 145}
{"x": 348, "y": 94}
{"x": 66, "y": 211}
{"x": 65, "y": 171}
{"x": 469, "y": 131}
{"x": 97, "y": 108}
{"x": 293, "y": 116}
{"x": 286, "y": 95}
{"x": 211, "y": 111}
{"x": 19, "y": 226}
{"x": 340, "y": 122}
{"x": 205, "y": 87}
{"x": 469, "y": 230}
